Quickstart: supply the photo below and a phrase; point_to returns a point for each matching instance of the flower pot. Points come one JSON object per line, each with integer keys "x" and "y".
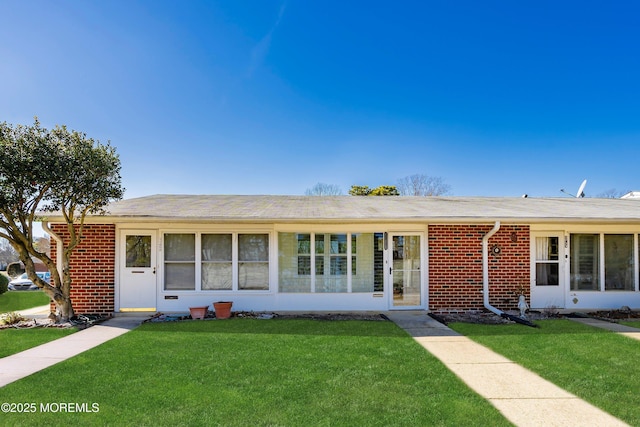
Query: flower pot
{"x": 198, "y": 312}
{"x": 222, "y": 309}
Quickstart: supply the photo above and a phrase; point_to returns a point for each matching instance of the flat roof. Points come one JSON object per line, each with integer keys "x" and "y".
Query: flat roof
{"x": 286, "y": 209}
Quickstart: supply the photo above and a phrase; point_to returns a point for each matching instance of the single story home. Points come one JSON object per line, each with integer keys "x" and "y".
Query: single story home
{"x": 276, "y": 253}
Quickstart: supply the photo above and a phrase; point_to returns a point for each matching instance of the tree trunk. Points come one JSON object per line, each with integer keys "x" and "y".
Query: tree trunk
{"x": 59, "y": 291}
{"x": 64, "y": 308}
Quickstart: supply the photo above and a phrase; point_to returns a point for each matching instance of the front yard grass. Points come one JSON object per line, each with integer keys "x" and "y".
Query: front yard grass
{"x": 16, "y": 340}
{"x": 632, "y": 323}
{"x": 242, "y": 372}
{"x": 22, "y": 300}
{"x": 598, "y": 366}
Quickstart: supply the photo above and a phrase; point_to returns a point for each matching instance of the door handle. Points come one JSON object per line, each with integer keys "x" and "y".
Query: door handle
{"x": 154, "y": 270}
{"x": 390, "y": 270}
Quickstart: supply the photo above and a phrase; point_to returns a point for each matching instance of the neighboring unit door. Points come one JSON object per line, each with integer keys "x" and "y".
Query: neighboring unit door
{"x": 138, "y": 271}
{"x": 405, "y": 273}
{"x": 547, "y": 290}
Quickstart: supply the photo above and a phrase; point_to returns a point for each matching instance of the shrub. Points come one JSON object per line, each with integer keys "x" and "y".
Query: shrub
{"x": 4, "y": 284}
{"x": 10, "y": 318}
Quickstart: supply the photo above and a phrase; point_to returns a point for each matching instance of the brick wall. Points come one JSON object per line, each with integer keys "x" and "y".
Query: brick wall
{"x": 455, "y": 267}
{"x": 92, "y": 268}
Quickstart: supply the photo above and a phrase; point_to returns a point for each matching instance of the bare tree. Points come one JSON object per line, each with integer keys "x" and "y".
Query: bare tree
{"x": 7, "y": 254}
{"x": 423, "y": 185}
{"x": 611, "y": 193}
{"x": 321, "y": 189}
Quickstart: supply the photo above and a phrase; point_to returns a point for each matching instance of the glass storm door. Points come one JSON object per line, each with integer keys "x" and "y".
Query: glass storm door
{"x": 138, "y": 271}
{"x": 405, "y": 272}
{"x": 547, "y": 290}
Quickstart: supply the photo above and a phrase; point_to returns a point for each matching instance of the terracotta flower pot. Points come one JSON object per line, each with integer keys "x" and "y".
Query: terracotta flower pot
{"x": 198, "y": 312}
{"x": 222, "y": 309}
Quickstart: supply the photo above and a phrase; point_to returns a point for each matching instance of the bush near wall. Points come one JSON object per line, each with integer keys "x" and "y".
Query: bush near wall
{"x": 4, "y": 284}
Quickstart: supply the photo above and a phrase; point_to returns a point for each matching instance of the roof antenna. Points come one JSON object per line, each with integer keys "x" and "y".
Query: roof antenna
{"x": 580, "y": 193}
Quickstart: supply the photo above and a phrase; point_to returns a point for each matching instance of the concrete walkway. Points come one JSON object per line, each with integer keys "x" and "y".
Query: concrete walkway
{"x": 627, "y": 331}
{"x": 20, "y": 365}
{"x": 523, "y": 397}
{"x": 37, "y": 312}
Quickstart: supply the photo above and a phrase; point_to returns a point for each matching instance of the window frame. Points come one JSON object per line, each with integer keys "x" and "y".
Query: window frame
{"x": 550, "y": 261}
{"x": 320, "y": 258}
{"x": 176, "y": 262}
{"x": 198, "y": 262}
{"x": 601, "y": 261}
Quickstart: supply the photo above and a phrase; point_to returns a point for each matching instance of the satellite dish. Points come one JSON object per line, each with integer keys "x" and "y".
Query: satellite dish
{"x": 580, "y": 192}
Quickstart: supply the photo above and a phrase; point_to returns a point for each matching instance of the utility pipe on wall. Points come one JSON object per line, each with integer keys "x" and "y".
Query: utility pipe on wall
{"x": 485, "y": 279}
{"x": 485, "y": 268}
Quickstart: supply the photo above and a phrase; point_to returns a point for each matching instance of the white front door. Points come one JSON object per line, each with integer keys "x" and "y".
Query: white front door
{"x": 138, "y": 270}
{"x": 547, "y": 271}
{"x": 405, "y": 272}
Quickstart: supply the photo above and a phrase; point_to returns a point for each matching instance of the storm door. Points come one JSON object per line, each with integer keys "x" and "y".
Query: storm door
{"x": 405, "y": 272}
{"x": 547, "y": 290}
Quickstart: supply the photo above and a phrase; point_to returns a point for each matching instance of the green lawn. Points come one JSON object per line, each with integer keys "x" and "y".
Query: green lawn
{"x": 242, "y": 372}
{"x": 22, "y": 300}
{"x": 16, "y": 340}
{"x": 632, "y": 323}
{"x": 597, "y": 365}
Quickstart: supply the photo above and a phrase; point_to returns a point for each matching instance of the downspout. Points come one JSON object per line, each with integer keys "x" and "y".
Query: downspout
{"x": 485, "y": 268}
{"x": 485, "y": 280}
{"x": 47, "y": 229}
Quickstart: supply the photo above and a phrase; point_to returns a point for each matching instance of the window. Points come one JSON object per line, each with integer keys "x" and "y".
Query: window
{"x": 585, "y": 262}
{"x": 294, "y": 262}
{"x": 217, "y": 268}
{"x": 138, "y": 250}
{"x": 253, "y": 261}
{"x": 319, "y": 252}
{"x": 216, "y": 262}
{"x": 304, "y": 254}
{"x": 334, "y": 280}
{"x": 338, "y": 262}
{"x": 367, "y": 261}
{"x": 591, "y": 252}
{"x": 547, "y": 261}
{"x": 338, "y": 255}
{"x": 179, "y": 262}
{"x": 618, "y": 262}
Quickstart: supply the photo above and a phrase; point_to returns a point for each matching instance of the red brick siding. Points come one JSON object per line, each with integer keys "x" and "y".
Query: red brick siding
{"x": 455, "y": 267}
{"x": 92, "y": 268}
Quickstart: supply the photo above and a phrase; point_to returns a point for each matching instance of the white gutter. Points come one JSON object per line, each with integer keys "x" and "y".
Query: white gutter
{"x": 47, "y": 229}
{"x": 485, "y": 268}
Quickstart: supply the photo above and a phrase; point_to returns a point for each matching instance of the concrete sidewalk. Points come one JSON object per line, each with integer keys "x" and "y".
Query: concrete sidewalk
{"x": 627, "y": 331}
{"x": 20, "y": 365}
{"x": 523, "y": 397}
{"x": 36, "y": 312}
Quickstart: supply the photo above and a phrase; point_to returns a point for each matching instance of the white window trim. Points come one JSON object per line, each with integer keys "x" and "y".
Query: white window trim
{"x": 601, "y": 254}
{"x": 198, "y": 262}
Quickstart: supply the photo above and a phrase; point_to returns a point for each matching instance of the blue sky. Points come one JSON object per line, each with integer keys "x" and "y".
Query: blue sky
{"x": 499, "y": 98}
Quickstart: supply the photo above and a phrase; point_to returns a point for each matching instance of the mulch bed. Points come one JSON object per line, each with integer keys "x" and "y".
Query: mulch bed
{"x": 489, "y": 318}
{"x": 81, "y": 322}
{"x": 616, "y": 315}
{"x": 162, "y": 317}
